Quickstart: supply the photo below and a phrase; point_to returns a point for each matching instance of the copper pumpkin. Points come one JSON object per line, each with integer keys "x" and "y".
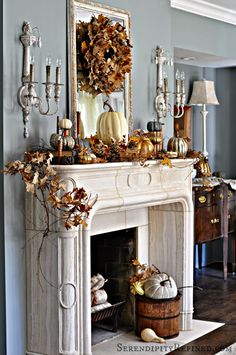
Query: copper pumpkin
{"x": 146, "y": 147}
{"x": 203, "y": 168}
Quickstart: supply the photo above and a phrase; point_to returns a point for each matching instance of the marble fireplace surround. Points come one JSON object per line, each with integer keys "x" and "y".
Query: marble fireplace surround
{"x": 156, "y": 200}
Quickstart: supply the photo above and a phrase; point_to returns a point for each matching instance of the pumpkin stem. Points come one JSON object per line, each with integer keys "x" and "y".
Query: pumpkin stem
{"x": 106, "y": 103}
{"x": 162, "y": 283}
{"x": 157, "y": 270}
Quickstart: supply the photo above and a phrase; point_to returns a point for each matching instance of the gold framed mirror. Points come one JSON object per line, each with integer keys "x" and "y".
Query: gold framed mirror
{"x": 82, "y": 106}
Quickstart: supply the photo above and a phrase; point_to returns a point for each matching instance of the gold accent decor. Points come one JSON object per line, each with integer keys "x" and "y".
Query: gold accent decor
{"x": 215, "y": 220}
{"x": 202, "y": 199}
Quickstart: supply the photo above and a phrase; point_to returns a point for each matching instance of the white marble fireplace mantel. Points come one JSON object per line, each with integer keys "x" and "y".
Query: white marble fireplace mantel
{"x": 155, "y": 199}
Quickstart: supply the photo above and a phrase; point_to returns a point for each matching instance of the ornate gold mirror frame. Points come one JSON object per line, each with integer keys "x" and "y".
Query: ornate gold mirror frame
{"x": 82, "y": 10}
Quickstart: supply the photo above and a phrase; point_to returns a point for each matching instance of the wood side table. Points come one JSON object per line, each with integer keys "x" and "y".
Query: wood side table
{"x": 214, "y": 218}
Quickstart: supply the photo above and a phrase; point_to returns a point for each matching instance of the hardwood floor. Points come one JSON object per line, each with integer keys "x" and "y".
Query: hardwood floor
{"x": 217, "y": 303}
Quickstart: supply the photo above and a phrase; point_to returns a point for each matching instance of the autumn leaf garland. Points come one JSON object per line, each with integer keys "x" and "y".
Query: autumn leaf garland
{"x": 103, "y": 55}
{"x": 39, "y": 177}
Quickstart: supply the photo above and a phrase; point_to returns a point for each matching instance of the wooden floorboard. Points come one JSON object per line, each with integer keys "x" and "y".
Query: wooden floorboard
{"x": 216, "y": 303}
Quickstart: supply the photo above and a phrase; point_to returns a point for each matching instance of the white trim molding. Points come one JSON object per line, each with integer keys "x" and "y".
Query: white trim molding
{"x": 207, "y": 9}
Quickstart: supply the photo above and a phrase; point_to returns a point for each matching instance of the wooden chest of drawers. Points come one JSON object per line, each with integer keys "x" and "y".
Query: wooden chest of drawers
{"x": 215, "y": 218}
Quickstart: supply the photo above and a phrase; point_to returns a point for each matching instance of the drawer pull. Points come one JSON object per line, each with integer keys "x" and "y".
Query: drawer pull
{"x": 202, "y": 199}
{"x": 215, "y": 220}
{"x": 229, "y": 216}
{"x": 230, "y": 193}
{"x": 221, "y": 197}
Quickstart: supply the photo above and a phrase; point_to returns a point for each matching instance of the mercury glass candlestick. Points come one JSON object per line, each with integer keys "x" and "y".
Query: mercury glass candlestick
{"x": 48, "y": 69}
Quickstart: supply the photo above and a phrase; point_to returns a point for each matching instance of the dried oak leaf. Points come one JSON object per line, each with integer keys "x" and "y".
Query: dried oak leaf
{"x": 35, "y": 178}
{"x": 43, "y": 181}
{"x": 135, "y": 262}
{"x": 67, "y": 198}
{"x": 54, "y": 200}
{"x": 50, "y": 171}
{"x": 166, "y": 161}
{"x": 30, "y": 187}
{"x": 14, "y": 167}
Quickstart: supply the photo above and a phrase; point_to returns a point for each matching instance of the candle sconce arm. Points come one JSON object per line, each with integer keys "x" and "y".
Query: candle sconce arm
{"x": 27, "y": 97}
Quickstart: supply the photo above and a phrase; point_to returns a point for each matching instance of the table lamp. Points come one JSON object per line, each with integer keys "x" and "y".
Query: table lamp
{"x": 204, "y": 94}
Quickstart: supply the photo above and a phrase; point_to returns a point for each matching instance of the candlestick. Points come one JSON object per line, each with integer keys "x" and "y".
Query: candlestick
{"x": 78, "y": 123}
{"x": 177, "y": 77}
{"x": 32, "y": 69}
{"x": 60, "y": 146}
{"x": 48, "y": 69}
{"x": 182, "y": 77}
{"x": 58, "y": 71}
{"x": 165, "y": 77}
{"x": 58, "y": 118}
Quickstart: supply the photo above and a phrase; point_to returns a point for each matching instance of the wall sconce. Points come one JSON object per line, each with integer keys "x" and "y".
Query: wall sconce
{"x": 162, "y": 100}
{"x": 27, "y": 97}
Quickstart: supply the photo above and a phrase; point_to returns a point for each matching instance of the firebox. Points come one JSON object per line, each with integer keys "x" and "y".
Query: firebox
{"x": 111, "y": 255}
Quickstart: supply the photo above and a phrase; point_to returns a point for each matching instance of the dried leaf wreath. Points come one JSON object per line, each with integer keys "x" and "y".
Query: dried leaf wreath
{"x": 103, "y": 55}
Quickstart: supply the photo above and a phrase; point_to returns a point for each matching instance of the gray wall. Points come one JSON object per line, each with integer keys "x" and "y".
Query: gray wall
{"x": 50, "y": 16}
{"x": 153, "y": 23}
{"x": 2, "y": 242}
{"x": 203, "y": 34}
{"x": 193, "y": 73}
{"x": 226, "y": 123}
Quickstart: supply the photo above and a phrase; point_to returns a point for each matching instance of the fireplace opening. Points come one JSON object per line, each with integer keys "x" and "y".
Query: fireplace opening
{"x": 111, "y": 255}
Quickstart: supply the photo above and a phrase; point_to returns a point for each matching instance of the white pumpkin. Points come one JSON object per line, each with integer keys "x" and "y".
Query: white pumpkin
{"x": 111, "y": 124}
{"x": 160, "y": 286}
{"x": 65, "y": 123}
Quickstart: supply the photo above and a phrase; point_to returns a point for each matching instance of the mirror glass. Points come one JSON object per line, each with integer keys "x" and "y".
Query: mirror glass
{"x": 83, "y": 106}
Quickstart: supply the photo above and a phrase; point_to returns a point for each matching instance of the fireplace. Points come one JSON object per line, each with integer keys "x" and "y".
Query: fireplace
{"x": 155, "y": 201}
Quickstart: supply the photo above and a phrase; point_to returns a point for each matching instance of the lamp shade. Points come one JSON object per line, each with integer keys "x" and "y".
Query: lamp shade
{"x": 203, "y": 93}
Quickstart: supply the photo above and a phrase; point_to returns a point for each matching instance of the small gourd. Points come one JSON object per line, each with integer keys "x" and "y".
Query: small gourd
{"x": 150, "y": 336}
{"x": 54, "y": 140}
{"x": 99, "y": 297}
{"x": 203, "y": 167}
{"x": 110, "y": 125}
{"x": 140, "y": 145}
{"x": 87, "y": 158}
{"x": 97, "y": 282}
{"x": 160, "y": 286}
{"x": 178, "y": 144}
{"x": 146, "y": 147}
{"x": 68, "y": 141}
{"x": 65, "y": 123}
